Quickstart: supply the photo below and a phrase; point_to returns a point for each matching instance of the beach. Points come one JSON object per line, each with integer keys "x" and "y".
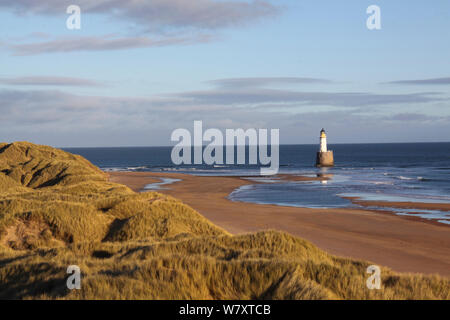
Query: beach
{"x": 405, "y": 244}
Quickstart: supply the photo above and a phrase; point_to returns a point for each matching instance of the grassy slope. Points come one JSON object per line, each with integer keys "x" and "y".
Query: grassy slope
{"x": 57, "y": 209}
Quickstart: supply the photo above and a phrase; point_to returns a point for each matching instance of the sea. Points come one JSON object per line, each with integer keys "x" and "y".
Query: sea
{"x": 391, "y": 172}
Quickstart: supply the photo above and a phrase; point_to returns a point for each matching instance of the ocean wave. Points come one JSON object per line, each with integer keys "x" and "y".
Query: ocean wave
{"x": 403, "y": 178}
{"x": 136, "y": 168}
{"x": 119, "y": 169}
{"x": 110, "y": 169}
{"x": 423, "y": 179}
{"x": 115, "y": 169}
{"x": 381, "y": 182}
{"x": 178, "y": 169}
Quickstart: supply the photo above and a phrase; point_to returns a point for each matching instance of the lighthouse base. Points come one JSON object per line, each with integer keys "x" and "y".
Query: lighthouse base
{"x": 325, "y": 159}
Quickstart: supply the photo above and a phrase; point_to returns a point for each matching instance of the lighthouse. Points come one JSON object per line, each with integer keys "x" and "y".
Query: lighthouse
{"x": 324, "y": 157}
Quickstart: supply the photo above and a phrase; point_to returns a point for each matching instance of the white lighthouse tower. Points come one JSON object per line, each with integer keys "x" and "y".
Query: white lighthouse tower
{"x": 325, "y": 158}
{"x": 323, "y": 141}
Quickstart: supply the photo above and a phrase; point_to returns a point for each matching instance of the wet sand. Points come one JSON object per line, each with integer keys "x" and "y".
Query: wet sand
{"x": 403, "y": 205}
{"x": 405, "y": 244}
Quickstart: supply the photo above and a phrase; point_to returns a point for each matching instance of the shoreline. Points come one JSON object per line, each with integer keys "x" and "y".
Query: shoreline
{"x": 405, "y": 244}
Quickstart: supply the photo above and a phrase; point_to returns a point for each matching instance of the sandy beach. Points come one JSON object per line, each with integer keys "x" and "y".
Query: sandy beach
{"x": 405, "y": 244}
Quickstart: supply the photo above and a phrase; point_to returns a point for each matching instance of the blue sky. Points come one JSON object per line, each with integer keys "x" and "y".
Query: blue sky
{"x": 137, "y": 70}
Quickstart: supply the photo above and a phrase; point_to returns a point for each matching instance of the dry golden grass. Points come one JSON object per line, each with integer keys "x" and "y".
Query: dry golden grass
{"x": 57, "y": 209}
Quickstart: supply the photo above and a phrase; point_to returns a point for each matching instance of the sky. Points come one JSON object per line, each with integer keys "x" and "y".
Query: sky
{"x": 137, "y": 70}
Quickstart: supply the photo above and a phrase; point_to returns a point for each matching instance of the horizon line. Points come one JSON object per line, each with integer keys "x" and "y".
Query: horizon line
{"x": 281, "y": 144}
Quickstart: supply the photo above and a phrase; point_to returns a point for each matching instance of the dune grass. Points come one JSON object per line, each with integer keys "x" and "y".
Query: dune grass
{"x": 57, "y": 209}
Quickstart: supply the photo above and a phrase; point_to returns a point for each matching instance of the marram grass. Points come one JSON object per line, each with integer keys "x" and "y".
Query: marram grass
{"x": 57, "y": 209}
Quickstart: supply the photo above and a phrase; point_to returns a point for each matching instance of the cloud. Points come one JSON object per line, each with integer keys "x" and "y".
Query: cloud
{"x": 102, "y": 44}
{"x": 413, "y": 117}
{"x": 59, "y": 118}
{"x": 59, "y": 111}
{"x": 256, "y": 92}
{"x": 157, "y": 14}
{"x": 270, "y": 96}
{"x": 265, "y": 81}
{"x": 172, "y": 22}
{"x": 436, "y": 81}
{"x": 77, "y": 110}
{"x": 49, "y": 81}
